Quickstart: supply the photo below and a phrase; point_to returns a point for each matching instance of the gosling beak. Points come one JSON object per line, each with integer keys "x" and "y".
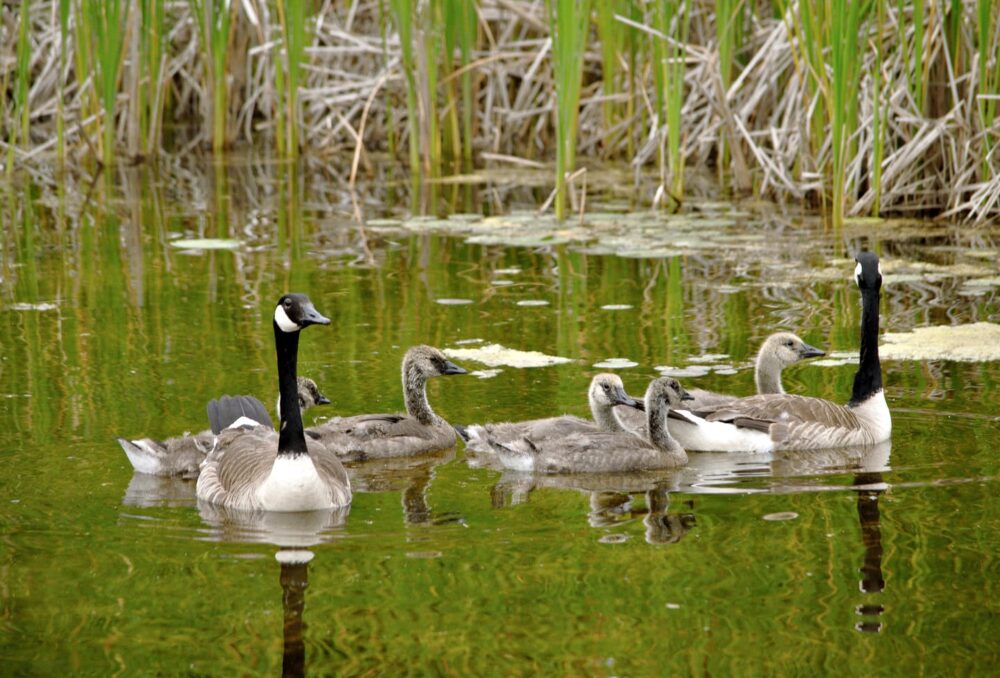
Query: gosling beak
{"x": 640, "y": 405}
{"x": 808, "y": 351}
{"x": 685, "y": 395}
{"x": 620, "y": 397}
{"x": 310, "y": 316}
{"x": 322, "y": 400}
{"x": 452, "y": 368}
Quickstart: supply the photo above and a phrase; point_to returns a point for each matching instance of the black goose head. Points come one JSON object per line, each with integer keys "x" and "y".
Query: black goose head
{"x": 868, "y": 272}
{"x": 295, "y": 311}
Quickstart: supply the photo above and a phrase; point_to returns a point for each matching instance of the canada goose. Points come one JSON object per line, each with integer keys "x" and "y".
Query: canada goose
{"x": 606, "y": 390}
{"x": 764, "y": 423}
{"x": 381, "y": 436}
{"x": 254, "y": 467}
{"x": 778, "y": 351}
{"x": 603, "y": 452}
{"x": 183, "y": 455}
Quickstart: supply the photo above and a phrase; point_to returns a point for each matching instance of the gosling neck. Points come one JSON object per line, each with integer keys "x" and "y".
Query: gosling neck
{"x": 767, "y": 373}
{"x": 415, "y": 395}
{"x": 291, "y": 438}
{"x": 605, "y": 417}
{"x": 657, "y": 410}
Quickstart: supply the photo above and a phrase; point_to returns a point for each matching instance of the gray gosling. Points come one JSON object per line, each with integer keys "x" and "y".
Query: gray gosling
{"x": 255, "y": 468}
{"x": 606, "y": 390}
{"x": 183, "y": 455}
{"x": 384, "y": 436}
{"x": 604, "y": 452}
{"x": 780, "y": 350}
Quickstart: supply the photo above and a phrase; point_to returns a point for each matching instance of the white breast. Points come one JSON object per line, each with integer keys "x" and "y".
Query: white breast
{"x": 294, "y": 485}
{"x": 700, "y": 435}
{"x": 874, "y": 416}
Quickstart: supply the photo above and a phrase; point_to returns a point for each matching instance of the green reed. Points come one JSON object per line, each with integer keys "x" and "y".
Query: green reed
{"x": 729, "y": 34}
{"x": 461, "y": 23}
{"x": 21, "y": 112}
{"x": 878, "y": 138}
{"x": 64, "y": 7}
{"x": 214, "y": 19}
{"x": 105, "y": 22}
{"x": 152, "y": 53}
{"x": 988, "y": 47}
{"x": 293, "y": 30}
{"x": 569, "y": 21}
{"x": 403, "y": 12}
{"x": 846, "y": 20}
{"x": 672, "y": 20}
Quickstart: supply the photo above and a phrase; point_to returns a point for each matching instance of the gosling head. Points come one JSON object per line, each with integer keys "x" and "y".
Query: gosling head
{"x": 309, "y": 395}
{"x": 608, "y": 390}
{"x": 429, "y": 362}
{"x": 788, "y": 349}
{"x": 295, "y": 311}
{"x": 868, "y": 272}
{"x": 666, "y": 389}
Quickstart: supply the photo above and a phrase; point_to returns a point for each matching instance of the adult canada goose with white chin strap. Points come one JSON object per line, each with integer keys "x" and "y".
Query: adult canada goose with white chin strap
{"x": 602, "y": 452}
{"x": 606, "y": 390}
{"x": 183, "y": 455}
{"x": 778, "y": 351}
{"x": 383, "y": 436}
{"x": 253, "y": 467}
{"x": 764, "y": 423}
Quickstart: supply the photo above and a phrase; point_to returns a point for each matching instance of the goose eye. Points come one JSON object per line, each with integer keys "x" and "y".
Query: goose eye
{"x": 789, "y": 344}
{"x": 288, "y": 303}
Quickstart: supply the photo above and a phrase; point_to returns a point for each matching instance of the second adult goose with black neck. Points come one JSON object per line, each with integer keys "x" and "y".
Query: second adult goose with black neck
{"x": 764, "y": 423}
{"x": 382, "y": 436}
{"x": 253, "y": 467}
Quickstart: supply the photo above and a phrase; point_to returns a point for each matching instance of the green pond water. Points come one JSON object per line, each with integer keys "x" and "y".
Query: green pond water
{"x": 858, "y": 562}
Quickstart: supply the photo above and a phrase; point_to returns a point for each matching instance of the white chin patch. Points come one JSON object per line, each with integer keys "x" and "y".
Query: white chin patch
{"x": 880, "y": 269}
{"x": 857, "y": 270}
{"x": 284, "y": 322}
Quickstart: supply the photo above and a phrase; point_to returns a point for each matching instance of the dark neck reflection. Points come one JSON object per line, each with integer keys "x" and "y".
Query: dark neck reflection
{"x": 294, "y": 581}
{"x": 872, "y": 580}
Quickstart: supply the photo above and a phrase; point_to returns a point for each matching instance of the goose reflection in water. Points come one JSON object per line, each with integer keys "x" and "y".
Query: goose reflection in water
{"x": 616, "y": 499}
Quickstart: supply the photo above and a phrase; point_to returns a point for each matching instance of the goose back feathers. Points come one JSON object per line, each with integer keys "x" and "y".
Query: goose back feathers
{"x": 183, "y": 455}
{"x": 606, "y": 452}
{"x": 605, "y": 392}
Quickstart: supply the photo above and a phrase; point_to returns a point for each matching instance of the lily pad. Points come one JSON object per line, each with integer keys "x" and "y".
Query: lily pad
{"x": 681, "y": 372}
{"x": 533, "y": 302}
{"x": 616, "y": 364}
{"x": 206, "y": 244}
{"x": 495, "y": 355}
{"x": 453, "y": 302}
{"x": 976, "y": 342}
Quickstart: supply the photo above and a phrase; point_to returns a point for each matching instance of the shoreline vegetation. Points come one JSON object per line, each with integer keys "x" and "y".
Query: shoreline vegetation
{"x": 869, "y": 108}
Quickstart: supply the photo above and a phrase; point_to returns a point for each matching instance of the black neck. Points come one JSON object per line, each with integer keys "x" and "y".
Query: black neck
{"x": 868, "y": 378}
{"x": 291, "y": 438}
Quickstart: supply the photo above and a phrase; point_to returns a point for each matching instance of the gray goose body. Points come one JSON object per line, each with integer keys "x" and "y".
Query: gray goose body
{"x": 606, "y": 452}
{"x": 778, "y": 351}
{"x": 764, "y": 423}
{"x": 605, "y": 392}
{"x": 255, "y": 468}
{"x": 385, "y": 436}
{"x": 184, "y": 455}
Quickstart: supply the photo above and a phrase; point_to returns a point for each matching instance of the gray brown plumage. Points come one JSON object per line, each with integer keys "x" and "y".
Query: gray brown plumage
{"x": 183, "y": 455}
{"x": 383, "y": 436}
{"x": 603, "y": 452}
{"x": 778, "y": 351}
{"x": 605, "y": 392}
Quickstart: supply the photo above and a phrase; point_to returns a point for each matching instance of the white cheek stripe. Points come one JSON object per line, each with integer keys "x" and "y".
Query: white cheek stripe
{"x": 284, "y": 322}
